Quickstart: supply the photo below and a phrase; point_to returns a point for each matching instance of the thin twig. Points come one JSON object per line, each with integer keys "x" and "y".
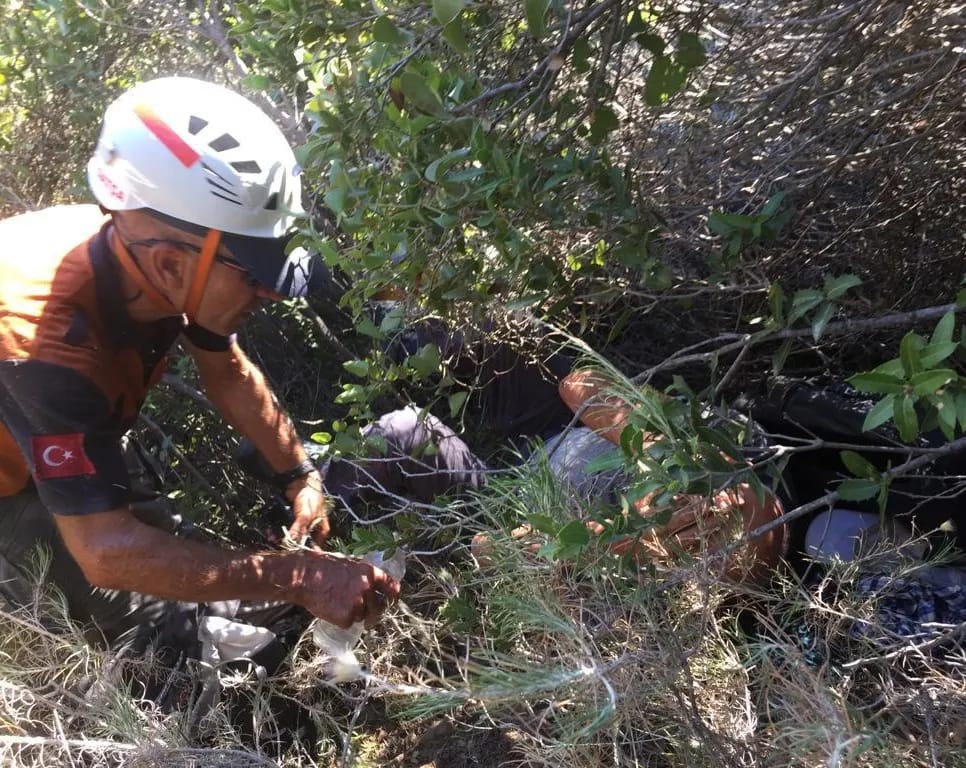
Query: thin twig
{"x": 183, "y": 459}
{"x": 180, "y": 386}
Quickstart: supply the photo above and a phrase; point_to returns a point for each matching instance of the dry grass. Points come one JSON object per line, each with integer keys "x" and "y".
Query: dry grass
{"x": 855, "y": 110}
{"x": 581, "y": 662}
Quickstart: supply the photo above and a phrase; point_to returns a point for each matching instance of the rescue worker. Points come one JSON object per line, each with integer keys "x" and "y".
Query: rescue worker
{"x": 199, "y": 193}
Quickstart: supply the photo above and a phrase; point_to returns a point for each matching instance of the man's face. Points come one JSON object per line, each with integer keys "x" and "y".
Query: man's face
{"x": 170, "y": 256}
{"x": 230, "y": 297}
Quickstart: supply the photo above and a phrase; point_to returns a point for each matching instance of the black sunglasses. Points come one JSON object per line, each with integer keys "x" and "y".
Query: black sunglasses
{"x": 230, "y": 263}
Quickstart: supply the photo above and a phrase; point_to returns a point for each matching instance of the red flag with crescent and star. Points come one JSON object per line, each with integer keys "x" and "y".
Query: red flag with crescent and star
{"x": 60, "y": 456}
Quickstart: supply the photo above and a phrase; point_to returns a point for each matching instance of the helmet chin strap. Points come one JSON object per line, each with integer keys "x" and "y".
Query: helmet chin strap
{"x": 209, "y": 248}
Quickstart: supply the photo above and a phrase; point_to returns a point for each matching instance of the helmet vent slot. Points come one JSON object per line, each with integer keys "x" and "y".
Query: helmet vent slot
{"x": 223, "y": 143}
{"x": 246, "y": 166}
{"x": 214, "y": 173}
{"x": 196, "y": 124}
{"x": 225, "y": 197}
{"x": 272, "y": 203}
{"x": 226, "y": 190}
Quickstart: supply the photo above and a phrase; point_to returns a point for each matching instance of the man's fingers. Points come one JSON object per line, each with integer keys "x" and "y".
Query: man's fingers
{"x": 383, "y": 590}
{"x": 372, "y": 608}
{"x": 296, "y": 537}
{"x": 319, "y": 530}
{"x": 385, "y": 585}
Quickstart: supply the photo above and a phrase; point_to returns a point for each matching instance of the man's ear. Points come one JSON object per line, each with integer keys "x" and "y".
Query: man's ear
{"x": 172, "y": 269}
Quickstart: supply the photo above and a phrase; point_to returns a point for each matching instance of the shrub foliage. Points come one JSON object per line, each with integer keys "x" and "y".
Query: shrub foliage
{"x": 695, "y": 196}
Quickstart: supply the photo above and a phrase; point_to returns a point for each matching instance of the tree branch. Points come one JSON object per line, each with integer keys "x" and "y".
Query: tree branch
{"x": 739, "y": 341}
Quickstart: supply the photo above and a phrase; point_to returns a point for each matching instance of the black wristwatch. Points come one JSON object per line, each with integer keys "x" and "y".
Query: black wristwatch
{"x": 283, "y": 479}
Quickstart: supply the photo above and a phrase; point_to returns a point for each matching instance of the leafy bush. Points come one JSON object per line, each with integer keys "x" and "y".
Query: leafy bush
{"x": 704, "y": 194}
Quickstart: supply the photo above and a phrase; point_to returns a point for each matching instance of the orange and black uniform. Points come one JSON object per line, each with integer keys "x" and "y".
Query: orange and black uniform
{"x": 74, "y": 366}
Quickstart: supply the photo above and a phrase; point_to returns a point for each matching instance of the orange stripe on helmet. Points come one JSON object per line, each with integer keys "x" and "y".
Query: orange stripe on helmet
{"x": 167, "y": 136}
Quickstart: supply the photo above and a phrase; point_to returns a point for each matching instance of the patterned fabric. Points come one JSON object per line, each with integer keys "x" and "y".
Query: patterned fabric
{"x": 913, "y": 606}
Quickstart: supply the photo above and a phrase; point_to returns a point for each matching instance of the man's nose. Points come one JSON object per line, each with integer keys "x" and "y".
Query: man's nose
{"x": 267, "y": 294}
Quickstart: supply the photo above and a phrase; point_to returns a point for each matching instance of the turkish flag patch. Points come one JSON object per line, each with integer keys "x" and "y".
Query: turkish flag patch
{"x": 60, "y": 456}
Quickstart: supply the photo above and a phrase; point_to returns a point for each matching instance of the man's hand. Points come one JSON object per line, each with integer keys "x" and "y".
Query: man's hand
{"x": 344, "y": 590}
{"x": 310, "y": 507}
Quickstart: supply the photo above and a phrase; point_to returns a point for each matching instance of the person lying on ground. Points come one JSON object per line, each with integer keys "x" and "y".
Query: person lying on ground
{"x": 698, "y": 524}
{"x": 415, "y": 457}
{"x": 199, "y": 195}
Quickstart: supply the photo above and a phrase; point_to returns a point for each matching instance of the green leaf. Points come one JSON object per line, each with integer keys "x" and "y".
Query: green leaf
{"x": 891, "y": 368}
{"x": 536, "y": 13}
{"x": 603, "y": 121}
{"x": 322, "y": 438}
{"x": 456, "y": 401}
{"x": 651, "y": 42}
{"x": 257, "y": 82}
{"x": 776, "y": 299}
{"x": 824, "y": 314}
{"x": 877, "y": 383}
{"x": 417, "y": 91}
{"x": 358, "y": 368}
{"x": 580, "y": 54}
{"x": 393, "y": 321}
{"x": 441, "y": 164}
{"x": 556, "y": 180}
{"x": 690, "y": 53}
{"x": 781, "y": 356}
{"x": 927, "y": 382}
{"x": 384, "y": 31}
{"x": 906, "y": 418}
{"x": 834, "y": 288}
{"x": 447, "y": 10}
{"x": 943, "y": 333}
{"x": 524, "y": 302}
{"x": 858, "y": 465}
{"x": 961, "y": 410}
{"x": 574, "y": 534}
{"x": 946, "y": 411}
{"x": 909, "y": 354}
{"x": 772, "y": 205}
{"x": 738, "y": 221}
{"x": 368, "y": 328}
{"x": 803, "y": 302}
{"x": 454, "y": 35}
{"x": 335, "y": 199}
{"x": 543, "y": 523}
{"x": 857, "y": 490}
{"x": 352, "y": 393}
{"x": 717, "y": 224}
{"x": 459, "y": 614}
{"x": 934, "y": 353}
{"x": 663, "y": 81}
{"x": 426, "y": 361}
{"x": 607, "y": 462}
{"x": 879, "y": 414}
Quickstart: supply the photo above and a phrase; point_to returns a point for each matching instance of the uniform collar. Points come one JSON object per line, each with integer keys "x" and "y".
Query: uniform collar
{"x": 122, "y": 329}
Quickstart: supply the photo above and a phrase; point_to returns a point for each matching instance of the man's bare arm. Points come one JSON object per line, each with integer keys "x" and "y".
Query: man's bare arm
{"x": 238, "y": 389}
{"x": 116, "y": 551}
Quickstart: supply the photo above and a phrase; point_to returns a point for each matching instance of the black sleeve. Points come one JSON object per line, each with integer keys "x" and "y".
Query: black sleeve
{"x": 62, "y": 423}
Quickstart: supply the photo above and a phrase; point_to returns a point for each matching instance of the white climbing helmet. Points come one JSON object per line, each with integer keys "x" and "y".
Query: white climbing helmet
{"x": 206, "y": 158}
